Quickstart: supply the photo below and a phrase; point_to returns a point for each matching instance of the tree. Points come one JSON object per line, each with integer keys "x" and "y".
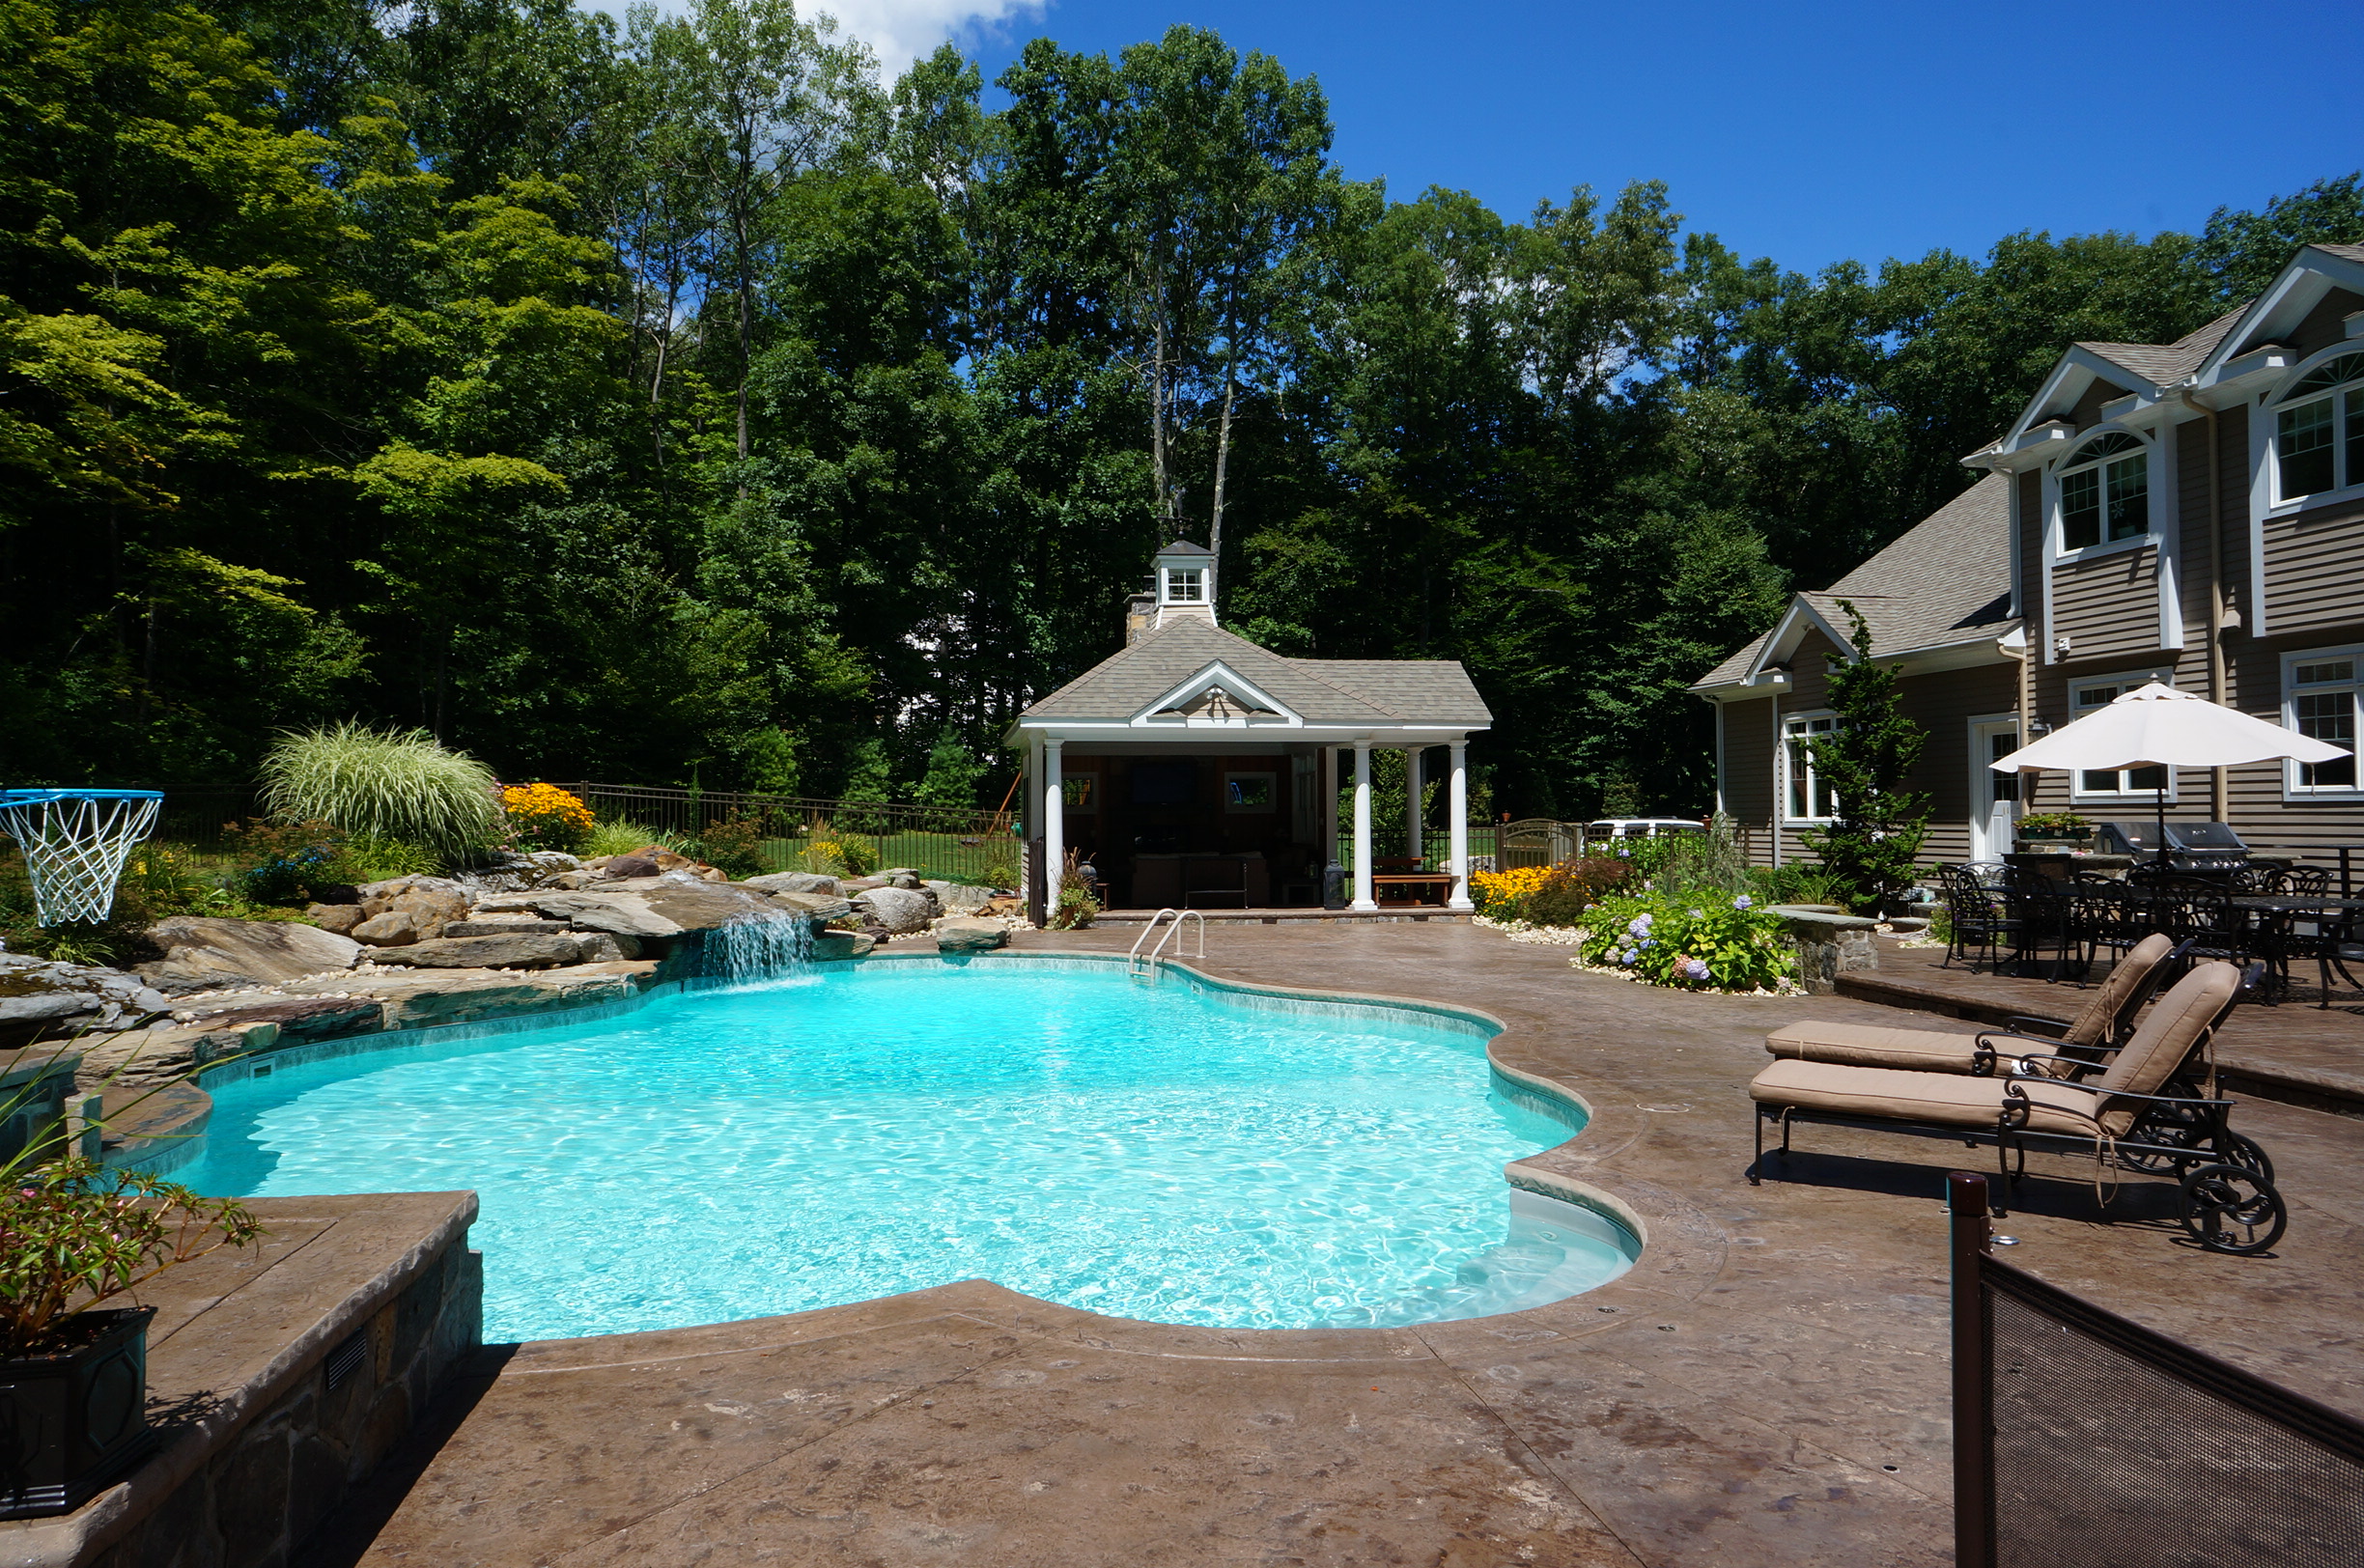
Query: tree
{"x": 1873, "y": 842}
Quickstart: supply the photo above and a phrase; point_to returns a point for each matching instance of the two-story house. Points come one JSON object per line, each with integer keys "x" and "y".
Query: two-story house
{"x": 2190, "y": 511}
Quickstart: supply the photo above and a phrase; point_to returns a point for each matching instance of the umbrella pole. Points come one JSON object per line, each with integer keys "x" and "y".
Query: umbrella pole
{"x": 2162, "y": 825}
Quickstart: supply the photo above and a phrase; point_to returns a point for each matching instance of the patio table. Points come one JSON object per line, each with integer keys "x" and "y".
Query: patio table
{"x": 2278, "y": 912}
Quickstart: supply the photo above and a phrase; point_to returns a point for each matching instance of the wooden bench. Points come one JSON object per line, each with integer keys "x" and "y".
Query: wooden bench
{"x": 1412, "y": 887}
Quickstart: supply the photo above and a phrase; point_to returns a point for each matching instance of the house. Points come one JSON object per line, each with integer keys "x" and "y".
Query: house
{"x": 1195, "y": 768}
{"x": 2190, "y": 511}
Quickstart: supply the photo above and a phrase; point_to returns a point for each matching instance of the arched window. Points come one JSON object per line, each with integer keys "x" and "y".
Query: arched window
{"x": 2318, "y": 430}
{"x": 2105, "y": 492}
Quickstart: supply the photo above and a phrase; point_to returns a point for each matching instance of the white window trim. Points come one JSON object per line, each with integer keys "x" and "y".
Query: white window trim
{"x": 2266, "y": 439}
{"x": 2156, "y": 479}
{"x": 2078, "y": 793}
{"x": 1781, "y": 762}
{"x": 2293, "y": 791}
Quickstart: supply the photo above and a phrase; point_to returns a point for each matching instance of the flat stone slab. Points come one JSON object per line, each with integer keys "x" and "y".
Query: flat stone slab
{"x": 430, "y": 997}
{"x": 509, "y": 950}
{"x": 201, "y": 948}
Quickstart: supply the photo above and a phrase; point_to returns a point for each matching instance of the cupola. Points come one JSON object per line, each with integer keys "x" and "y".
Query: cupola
{"x": 1185, "y": 583}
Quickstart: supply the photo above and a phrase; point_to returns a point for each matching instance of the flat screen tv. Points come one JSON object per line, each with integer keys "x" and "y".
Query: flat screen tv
{"x": 1173, "y": 783}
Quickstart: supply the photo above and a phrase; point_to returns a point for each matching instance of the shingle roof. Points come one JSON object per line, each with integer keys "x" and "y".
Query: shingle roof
{"x": 1378, "y": 692}
{"x": 1946, "y": 580}
{"x": 2163, "y": 363}
{"x": 2353, "y": 253}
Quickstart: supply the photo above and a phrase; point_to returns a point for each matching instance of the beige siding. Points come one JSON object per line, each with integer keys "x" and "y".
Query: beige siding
{"x": 1748, "y": 771}
{"x": 2314, "y": 829}
{"x": 2108, "y": 606}
{"x": 2196, "y": 550}
{"x": 2026, "y": 519}
{"x": 2315, "y": 569}
{"x": 1944, "y": 704}
{"x": 1809, "y": 675}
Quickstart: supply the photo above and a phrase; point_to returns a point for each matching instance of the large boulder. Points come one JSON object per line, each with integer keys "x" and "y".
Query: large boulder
{"x": 820, "y": 907}
{"x": 340, "y": 919}
{"x": 269, "y": 951}
{"x": 521, "y": 951}
{"x": 504, "y": 925}
{"x": 298, "y": 1019}
{"x": 429, "y": 901}
{"x": 396, "y": 928}
{"x": 794, "y": 882}
{"x": 41, "y": 999}
{"x": 959, "y": 898}
{"x": 896, "y": 908}
{"x": 832, "y": 946}
{"x": 957, "y": 933}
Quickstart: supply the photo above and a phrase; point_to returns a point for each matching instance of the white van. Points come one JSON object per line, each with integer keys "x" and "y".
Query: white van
{"x": 1641, "y": 827}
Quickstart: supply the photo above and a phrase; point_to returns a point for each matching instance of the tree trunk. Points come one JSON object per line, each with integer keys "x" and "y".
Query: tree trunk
{"x": 1222, "y": 433}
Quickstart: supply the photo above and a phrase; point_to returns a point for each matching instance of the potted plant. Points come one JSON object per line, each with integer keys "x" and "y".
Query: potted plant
{"x": 2054, "y": 831}
{"x": 74, "y": 1237}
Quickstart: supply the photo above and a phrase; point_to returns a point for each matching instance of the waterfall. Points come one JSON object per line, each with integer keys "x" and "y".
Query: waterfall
{"x": 761, "y": 945}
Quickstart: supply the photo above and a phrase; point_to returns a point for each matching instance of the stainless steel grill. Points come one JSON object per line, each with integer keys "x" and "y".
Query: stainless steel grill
{"x": 2191, "y": 846}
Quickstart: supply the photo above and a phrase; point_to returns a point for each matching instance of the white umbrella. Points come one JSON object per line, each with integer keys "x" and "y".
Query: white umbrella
{"x": 2156, "y": 726}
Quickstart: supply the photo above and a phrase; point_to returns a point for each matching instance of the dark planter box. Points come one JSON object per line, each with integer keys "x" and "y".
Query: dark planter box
{"x": 73, "y": 1420}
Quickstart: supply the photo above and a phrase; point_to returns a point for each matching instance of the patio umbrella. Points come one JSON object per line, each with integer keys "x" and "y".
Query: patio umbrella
{"x": 2156, "y": 726}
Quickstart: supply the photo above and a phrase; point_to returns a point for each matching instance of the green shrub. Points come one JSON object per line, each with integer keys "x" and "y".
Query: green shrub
{"x": 389, "y": 784}
{"x": 1720, "y": 944}
{"x": 734, "y": 843}
{"x": 1000, "y": 867}
{"x": 2054, "y": 824}
{"x": 1074, "y": 908}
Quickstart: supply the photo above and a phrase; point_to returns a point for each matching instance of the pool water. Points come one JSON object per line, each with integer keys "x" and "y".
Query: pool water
{"x": 1168, "y": 1152}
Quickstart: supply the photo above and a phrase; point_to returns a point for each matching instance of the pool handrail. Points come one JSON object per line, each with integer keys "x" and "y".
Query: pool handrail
{"x": 1140, "y": 969}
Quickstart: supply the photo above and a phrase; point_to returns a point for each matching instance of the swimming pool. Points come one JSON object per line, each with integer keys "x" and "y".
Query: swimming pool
{"x": 1177, "y": 1153}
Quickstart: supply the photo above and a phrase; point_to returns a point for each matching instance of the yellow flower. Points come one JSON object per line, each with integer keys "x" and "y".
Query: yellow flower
{"x": 546, "y": 802}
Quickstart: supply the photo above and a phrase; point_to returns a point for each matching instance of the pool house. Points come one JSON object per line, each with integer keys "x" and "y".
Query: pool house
{"x": 1195, "y": 769}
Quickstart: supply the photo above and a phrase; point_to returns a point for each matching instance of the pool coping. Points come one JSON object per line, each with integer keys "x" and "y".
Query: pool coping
{"x": 1679, "y": 1253}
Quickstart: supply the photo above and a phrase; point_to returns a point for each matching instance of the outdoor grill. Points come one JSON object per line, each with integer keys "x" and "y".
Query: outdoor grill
{"x": 2191, "y": 846}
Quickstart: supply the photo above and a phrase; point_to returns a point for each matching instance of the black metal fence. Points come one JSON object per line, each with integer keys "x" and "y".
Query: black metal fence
{"x": 2087, "y": 1441}
{"x": 795, "y": 832}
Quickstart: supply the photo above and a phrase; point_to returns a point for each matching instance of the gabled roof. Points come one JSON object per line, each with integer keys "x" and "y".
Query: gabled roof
{"x": 1382, "y": 692}
{"x": 2163, "y": 364}
{"x": 1944, "y": 581}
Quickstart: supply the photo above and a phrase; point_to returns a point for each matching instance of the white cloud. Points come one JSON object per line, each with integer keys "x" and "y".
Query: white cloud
{"x": 901, "y": 31}
{"x": 897, "y": 31}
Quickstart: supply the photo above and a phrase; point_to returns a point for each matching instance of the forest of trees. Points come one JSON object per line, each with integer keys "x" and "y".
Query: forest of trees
{"x": 684, "y": 399}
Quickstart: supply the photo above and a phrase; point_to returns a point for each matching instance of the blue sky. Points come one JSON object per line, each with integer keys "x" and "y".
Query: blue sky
{"x": 1810, "y": 133}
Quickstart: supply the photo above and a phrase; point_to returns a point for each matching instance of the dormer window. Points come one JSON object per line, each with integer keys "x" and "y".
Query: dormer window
{"x": 2105, "y": 492}
{"x": 1185, "y": 586}
{"x": 2319, "y": 431}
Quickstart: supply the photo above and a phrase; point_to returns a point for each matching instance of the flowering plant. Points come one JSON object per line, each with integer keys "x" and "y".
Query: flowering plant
{"x": 1718, "y": 944}
{"x": 1546, "y": 895}
{"x": 546, "y": 817}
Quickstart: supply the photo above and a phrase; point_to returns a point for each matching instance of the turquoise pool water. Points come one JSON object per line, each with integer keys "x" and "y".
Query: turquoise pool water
{"x": 1158, "y": 1152}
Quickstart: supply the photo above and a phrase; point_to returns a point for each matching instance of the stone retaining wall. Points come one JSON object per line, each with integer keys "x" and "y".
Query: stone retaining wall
{"x": 1828, "y": 943}
{"x": 254, "y": 1488}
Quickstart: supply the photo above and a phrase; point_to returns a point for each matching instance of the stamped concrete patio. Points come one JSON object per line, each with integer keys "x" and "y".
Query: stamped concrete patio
{"x": 1767, "y": 1386}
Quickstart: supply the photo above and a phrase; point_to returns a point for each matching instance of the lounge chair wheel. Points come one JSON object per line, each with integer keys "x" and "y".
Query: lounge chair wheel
{"x": 2232, "y": 1149}
{"x": 2229, "y": 1209}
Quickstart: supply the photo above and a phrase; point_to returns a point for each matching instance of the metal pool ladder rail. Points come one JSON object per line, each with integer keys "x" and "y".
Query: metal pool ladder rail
{"x": 1145, "y": 968}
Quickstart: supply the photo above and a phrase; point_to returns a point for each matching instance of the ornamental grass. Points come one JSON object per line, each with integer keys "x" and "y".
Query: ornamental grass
{"x": 389, "y": 784}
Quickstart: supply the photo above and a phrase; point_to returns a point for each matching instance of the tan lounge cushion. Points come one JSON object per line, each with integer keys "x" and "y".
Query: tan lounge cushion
{"x": 1873, "y": 1045}
{"x": 2092, "y": 1025}
{"x": 1944, "y": 1099}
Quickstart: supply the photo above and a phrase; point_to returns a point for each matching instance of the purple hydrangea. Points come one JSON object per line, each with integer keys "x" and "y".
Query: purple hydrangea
{"x": 1698, "y": 914}
{"x": 1624, "y": 854}
{"x": 1743, "y": 901}
{"x": 1626, "y": 957}
{"x": 1696, "y": 968}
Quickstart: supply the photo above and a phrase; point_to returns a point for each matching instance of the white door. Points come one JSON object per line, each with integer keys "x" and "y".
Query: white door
{"x": 1994, "y": 798}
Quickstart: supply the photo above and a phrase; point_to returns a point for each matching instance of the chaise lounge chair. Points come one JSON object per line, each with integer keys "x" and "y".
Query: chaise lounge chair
{"x": 2155, "y": 1108}
{"x": 2086, "y": 1042}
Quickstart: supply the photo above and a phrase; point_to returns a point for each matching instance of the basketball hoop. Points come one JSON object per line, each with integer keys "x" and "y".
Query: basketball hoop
{"x": 75, "y": 843}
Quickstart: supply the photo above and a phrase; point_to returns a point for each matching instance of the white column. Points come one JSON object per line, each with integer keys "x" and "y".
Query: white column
{"x": 1055, "y": 828}
{"x": 1459, "y": 806}
{"x": 1415, "y": 842}
{"x": 1363, "y": 898}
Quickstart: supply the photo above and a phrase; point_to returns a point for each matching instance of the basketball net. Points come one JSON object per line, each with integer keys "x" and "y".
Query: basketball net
{"x": 74, "y": 847}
